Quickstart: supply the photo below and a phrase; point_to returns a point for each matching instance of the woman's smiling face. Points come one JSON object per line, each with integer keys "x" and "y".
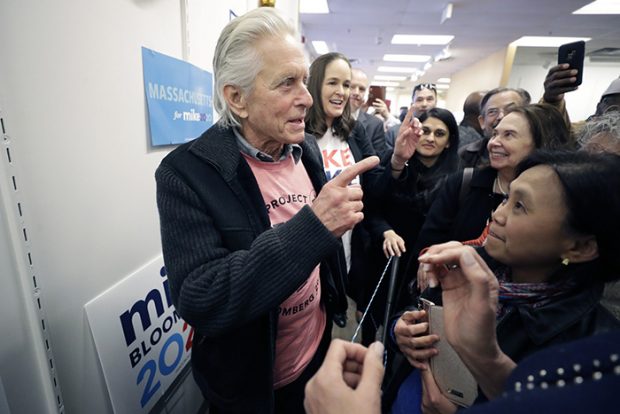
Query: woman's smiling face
{"x": 335, "y": 89}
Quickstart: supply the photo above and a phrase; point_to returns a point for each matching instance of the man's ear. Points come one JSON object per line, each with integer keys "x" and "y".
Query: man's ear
{"x": 236, "y": 101}
{"x": 481, "y": 122}
{"x": 584, "y": 249}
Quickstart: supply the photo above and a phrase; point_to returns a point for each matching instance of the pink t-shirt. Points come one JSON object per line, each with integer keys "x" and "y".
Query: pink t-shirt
{"x": 286, "y": 188}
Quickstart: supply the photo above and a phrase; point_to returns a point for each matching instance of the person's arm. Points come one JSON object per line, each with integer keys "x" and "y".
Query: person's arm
{"x": 408, "y": 136}
{"x": 470, "y": 297}
{"x": 215, "y": 289}
{"x": 559, "y": 80}
{"x": 349, "y": 380}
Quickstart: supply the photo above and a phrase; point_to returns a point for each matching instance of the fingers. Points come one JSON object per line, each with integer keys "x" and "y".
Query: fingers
{"x": 413, "y": 316}
{"x": 372, "y": 374}
{"x": 394, "y": 246}
{"x": 346, "y": 176}
{"x": 472, "y": 269}
{"x": 340, "y": 351}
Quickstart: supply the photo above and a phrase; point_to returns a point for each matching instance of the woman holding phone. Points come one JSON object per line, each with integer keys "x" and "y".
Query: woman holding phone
{"x": 552, "y": 245}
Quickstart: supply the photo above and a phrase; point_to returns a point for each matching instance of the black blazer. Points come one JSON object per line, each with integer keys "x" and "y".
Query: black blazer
{"x": 374, "y": 131}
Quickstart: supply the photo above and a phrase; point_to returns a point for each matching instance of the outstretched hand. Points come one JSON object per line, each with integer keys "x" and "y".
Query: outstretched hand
{"x": 339, "y": 205}
{"x": 408, "y": 136}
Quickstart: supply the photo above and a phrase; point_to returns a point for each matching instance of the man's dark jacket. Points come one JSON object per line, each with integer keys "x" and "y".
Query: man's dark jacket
{"x": 229, "y": 270}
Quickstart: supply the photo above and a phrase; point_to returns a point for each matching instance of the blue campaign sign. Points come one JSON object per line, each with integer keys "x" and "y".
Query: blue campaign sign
{"x": 179, "y": 98}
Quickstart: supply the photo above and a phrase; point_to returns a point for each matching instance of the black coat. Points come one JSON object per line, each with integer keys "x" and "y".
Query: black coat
{"x": 229, "y": 270}
{"x": 449, "y": 219}
{"x": 373, "y": 127}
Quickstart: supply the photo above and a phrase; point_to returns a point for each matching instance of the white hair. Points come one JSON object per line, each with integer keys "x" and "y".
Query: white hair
{"x": 608, "y": 123}
{"x": 237, "y": 61}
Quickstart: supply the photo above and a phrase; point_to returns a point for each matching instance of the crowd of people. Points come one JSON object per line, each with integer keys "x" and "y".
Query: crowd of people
{"x": 289, "y": 207}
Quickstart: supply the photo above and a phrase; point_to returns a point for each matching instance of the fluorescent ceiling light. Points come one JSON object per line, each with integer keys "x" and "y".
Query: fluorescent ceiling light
{"x": 600, "y": 7}
{"x": 396, "y": 69}
{"x": 390, "y": 78}
{"x": 384, "y": 83}
{"x": 443, "y": 80}
{"x": 403, "y": 39}
{"x": 320, "y": 47}
{"x": 442, "y": 86}
{"x": 406, "y": 58}
{"x": 546, "y": 41}
{"x": 313, "y": 7}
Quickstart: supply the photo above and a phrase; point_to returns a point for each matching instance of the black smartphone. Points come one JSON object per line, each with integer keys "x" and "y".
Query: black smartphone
{"x": 573, "y": 54}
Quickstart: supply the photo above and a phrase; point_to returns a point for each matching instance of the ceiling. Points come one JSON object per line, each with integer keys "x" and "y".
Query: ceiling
{"x": 363, "y": 29}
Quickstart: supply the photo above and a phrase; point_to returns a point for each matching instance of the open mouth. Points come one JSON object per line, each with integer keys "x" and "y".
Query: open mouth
{"x": 336, "y": 102}
{"x": 498, "y": 154}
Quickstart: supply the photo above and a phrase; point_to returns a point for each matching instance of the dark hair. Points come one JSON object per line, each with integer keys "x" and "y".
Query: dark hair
{"x": 590, "y": 184}
{"x": 315, "y": 118}
{"x": 525, "y": 96}
{"x": 547, "y": 126}
{"x": 420, "y": 86}
{"x": 447, "y": 118}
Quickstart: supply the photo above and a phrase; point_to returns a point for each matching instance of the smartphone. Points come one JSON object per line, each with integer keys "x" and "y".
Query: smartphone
{"x": 375, "y": 92}
{"x": 451, "y": 374}
{"x": 573, "y": 54}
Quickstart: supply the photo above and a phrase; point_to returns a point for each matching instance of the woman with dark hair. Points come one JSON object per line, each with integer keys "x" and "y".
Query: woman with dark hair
{"x": 342, "y": 141}
{"x": 413, "y": 188}
{"x": 395, "y": 219}
{"x": 552, "y": 245}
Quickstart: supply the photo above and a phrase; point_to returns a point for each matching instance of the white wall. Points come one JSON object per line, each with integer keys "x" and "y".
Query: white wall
{"x": 484, "y": 75}
{"x": 581, "y": 103}
{"x": 72, "y": 96}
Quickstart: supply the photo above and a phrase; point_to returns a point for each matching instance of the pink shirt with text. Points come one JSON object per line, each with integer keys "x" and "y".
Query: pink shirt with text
{"x": 286, "y": 188}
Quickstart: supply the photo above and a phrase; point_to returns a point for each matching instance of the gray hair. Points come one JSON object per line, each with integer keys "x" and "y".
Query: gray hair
{"x": 236, "y": 60}
{"x": 608, "y": 123}
{"x": 523, "y": 94}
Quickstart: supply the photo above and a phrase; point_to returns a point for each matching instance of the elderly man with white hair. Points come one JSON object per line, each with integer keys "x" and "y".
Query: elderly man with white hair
{"x": 250, "y": 230}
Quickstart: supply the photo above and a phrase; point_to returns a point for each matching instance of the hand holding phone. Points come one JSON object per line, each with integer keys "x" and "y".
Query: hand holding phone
{"x": 573, "y": 54}
{"x": 567, "y": 75}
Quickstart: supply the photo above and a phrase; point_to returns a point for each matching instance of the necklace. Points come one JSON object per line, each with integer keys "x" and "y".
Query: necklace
{"x": 499, "y": 185}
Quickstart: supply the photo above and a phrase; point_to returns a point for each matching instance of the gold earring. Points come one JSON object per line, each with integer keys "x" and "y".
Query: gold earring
{"x": 565, "y": 261}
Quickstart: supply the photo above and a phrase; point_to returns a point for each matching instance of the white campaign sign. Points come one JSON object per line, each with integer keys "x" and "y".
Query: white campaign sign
{"x": 142, "y": 342}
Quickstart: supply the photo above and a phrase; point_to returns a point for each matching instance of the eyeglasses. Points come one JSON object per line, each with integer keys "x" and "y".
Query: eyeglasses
{"x": 494, "y": 112}
{"x": 421, "y": 86}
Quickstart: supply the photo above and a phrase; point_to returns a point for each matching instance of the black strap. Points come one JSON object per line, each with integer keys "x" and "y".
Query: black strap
{"x": 465, "y": 184}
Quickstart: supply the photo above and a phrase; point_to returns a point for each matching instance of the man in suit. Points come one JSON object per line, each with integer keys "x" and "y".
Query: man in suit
{"x": 372, "y": 125}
